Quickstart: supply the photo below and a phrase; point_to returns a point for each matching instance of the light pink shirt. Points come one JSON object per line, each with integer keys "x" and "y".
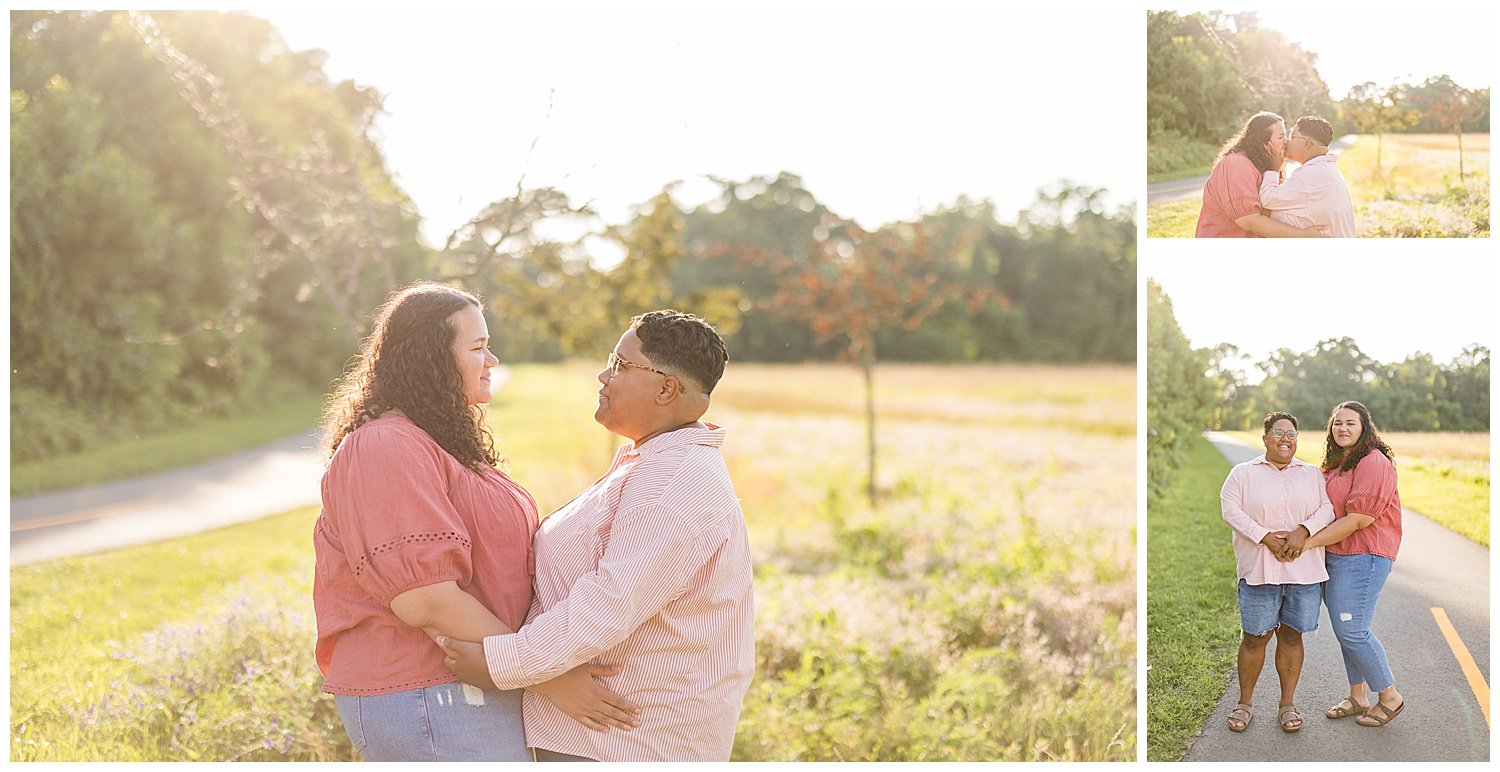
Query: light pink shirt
{"x": 1257, "y": 499}
{"x": 1313, "y": 194}
{"x": 649, "y": 569}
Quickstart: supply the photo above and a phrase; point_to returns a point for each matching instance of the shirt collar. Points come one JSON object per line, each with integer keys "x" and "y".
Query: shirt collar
{"x": 1326, "y": 158}
{"x": 710, "y": 435}
{"x": 1261, "y": 459}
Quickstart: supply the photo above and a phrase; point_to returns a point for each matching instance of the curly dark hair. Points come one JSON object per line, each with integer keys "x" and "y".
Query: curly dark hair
{"x": 1272, "y": 418}
{"x": 682, "y": 342}
{"x": 407, "y": 364}
{"x": 1345, "y": 459}
{"x": 1252, "y": 142}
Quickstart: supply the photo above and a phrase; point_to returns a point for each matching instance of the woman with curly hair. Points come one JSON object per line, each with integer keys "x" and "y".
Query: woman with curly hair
{"x": 1361, "y": 550}
{"x": 420, "y": 531}
{"x": 1231, "y": 196}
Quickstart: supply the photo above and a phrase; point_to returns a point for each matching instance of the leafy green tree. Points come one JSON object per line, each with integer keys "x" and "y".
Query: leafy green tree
{"x": 1193, "y": 88}
{"x": 1179, "y": 396}
{"x": 1449, "y": 106}
{"x": 156, "y": 160}
{"x": 1376, "y": 110}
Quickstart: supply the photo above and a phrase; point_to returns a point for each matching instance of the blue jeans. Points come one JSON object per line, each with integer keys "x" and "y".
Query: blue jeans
{"x": 447, "y": 722}
{"x": 1353, "y": 587}
{"x": 1264, "y": 607}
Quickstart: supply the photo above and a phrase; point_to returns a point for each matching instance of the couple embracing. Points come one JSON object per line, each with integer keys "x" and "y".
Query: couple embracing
{"x": 453, "y": 626}
{"x": 1247, "y": 195}
{"x": 1305, "y": 536}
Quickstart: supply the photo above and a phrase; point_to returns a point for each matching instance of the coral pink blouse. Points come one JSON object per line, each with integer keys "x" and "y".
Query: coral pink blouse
{"x": 1231, "y": 192}
{"x": 1369, "y": 489}
{"x": 399, "y": 513}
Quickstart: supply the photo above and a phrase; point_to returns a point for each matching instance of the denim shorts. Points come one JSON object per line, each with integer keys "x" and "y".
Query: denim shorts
{"x": 1265, "y": 606}
{"x": 446, "y": 722}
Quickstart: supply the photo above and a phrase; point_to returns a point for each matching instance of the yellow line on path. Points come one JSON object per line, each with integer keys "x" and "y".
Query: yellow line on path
{"x": 1465, "y": 662}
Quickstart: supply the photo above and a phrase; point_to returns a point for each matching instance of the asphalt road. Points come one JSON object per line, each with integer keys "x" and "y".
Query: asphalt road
{"x": 1443, "y": 720}
{"x": 245, "y": 486}
{"x": 1192, "y": 187}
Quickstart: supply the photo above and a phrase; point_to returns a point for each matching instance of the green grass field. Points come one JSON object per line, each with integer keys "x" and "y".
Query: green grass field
{"x": 1192, "y": 629}
{"x": 204, "y": 440}
{"x": 985, "y": 611}
{"x": 1414, "y": 193}
{"x": 1445, "y": 476}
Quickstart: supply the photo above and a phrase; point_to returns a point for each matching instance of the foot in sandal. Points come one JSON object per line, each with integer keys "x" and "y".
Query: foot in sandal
{"x": 1347, "y": 707}
{"x": 1239, "y": 718}
{"x": 1290, "y": 718}
{"x": 1380, "y": 714}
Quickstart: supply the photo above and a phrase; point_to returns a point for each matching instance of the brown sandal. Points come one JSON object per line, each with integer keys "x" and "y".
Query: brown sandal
{"x": 1386, "y": 714}
{"x": 1340, "y": 711}
{"x": 1296, "y": 715}
{"x": 1245, "y": 722}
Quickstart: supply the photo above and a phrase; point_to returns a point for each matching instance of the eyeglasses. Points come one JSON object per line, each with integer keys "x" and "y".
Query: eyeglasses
{"x": 1290, "y": 434}
{"x": 616, "y": 362}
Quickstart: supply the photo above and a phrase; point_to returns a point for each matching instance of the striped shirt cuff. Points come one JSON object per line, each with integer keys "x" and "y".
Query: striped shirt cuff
{"x": 504, "y": 662}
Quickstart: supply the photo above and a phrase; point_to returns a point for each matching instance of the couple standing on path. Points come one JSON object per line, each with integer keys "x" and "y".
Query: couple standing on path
{"x": 1286, "y": 515}
{"x": 452, "y": 625}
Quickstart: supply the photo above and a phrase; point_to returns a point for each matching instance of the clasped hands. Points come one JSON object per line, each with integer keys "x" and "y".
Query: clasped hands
{"x": 1286, "y": 545}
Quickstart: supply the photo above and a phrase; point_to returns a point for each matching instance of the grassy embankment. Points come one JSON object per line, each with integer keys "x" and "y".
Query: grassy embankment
{"x": 1415, "y": 192}
{"x": 1445, "y": 476}
{"x": 204, "y": 440}
{"x": 1192, "y": 631}
{"x": 985, "y": 611}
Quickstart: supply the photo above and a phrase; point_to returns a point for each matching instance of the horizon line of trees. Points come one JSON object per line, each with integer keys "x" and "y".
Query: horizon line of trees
{"x": 200, "y": 217}
{"x": 1416, "y": 394}
{"x": 1208, "y": 72}
{"x": 1190, "y": 390}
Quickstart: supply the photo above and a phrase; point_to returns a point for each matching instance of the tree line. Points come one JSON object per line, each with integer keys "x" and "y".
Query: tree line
{"x": 1189, "y": 390}
{"x": 201, "y": 219}
{"x": 1206, "y": 73}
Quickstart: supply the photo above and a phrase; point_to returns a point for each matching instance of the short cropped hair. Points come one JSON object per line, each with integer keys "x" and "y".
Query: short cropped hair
{"x": 684, "y": 343}
{"x": 1272, "y": 418}
{"x": 1316, "y": 129}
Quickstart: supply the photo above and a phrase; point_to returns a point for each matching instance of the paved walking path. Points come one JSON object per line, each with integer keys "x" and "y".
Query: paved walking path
{"x": 245, "y": 486}
{"x": 1192, "y": 187}
{"x": 1443, "y": 720}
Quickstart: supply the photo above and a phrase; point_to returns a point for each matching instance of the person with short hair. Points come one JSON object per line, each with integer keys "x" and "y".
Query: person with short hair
{"x": 1315, "y": 194}
{"x": 648, "y": 569}
{"x": 1262, "y": 499}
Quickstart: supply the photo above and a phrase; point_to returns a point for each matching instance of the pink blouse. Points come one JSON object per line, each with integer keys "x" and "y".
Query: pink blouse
{"x": 399, "y": 513}
{"x": 1369, "y": 489}
{"x": 1231, "y": 192}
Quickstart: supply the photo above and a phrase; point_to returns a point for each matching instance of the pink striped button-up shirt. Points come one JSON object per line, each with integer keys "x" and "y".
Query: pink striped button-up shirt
{"x": 1257, "y": 498}
{"x": 649, "y": 569}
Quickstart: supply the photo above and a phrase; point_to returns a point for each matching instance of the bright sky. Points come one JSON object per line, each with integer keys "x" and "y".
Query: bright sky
{"x": 884, "y": 111}
{"x": 1411, "y": 43}
{"x": 1384, "y": 295}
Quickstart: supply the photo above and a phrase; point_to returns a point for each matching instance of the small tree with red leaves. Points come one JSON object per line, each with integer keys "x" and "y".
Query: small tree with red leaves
{"x": 857, "y": 284}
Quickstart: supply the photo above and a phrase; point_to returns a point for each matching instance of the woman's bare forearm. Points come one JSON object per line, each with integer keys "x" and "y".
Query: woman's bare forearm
{"x": 1261, "y": 225}
{"x": 444, "y": 608}
{"x": 1338, "y": 531}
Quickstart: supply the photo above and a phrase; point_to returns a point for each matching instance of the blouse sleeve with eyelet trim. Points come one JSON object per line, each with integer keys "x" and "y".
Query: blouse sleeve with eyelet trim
{"x": 388, "y": 488}
{"x": 1373, "y": 487}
